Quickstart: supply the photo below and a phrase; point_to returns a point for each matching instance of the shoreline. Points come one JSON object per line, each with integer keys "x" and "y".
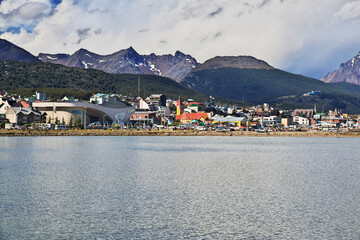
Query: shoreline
{"x": 100, "y": 132}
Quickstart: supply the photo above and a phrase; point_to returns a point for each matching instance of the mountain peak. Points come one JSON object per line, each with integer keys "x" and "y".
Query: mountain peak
{"x": 348, "y": 72}
{"x": 179, "y": 54}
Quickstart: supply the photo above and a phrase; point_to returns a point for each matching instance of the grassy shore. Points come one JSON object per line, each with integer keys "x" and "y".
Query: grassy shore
{"x": 9, "y": 133}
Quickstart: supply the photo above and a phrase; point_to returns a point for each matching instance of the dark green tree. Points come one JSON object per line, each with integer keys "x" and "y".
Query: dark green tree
{"x": 78, "y": 122}
{"x": 71, "y": 124}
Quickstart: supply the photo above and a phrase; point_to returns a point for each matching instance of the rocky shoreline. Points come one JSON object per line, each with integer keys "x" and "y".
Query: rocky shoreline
{"x": 32, "y": 133}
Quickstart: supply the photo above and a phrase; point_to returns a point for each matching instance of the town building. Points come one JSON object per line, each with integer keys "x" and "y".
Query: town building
{"x": 157, "y": 99}
{"x": 302, "y": 121}
{"x": 113, "y": 110}
{"x": 99, "y": 98}
{"x": 21, "y": 115}
{"x": 309, "y": 113}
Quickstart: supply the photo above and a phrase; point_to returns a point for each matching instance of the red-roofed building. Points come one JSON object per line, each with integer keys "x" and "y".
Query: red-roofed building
{"x": 188, "y": 117}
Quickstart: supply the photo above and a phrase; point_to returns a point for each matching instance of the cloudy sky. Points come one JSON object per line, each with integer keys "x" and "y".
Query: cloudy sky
{"x": 309, "y": 37}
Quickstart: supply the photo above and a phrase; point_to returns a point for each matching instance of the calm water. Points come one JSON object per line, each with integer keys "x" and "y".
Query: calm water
{"x": 179, "y": 188}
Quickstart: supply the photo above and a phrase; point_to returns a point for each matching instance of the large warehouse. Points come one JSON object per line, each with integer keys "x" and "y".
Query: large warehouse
{"x": 114, "y": 110}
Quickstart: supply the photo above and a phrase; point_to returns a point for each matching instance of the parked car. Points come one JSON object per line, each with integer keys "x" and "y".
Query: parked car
{"x": 61, "y": 127}
{"x": 182, "y": 127}
{"x": 201, "y": 128}
{"x": 261, "y": 130}
{"x": 222, "y": 129}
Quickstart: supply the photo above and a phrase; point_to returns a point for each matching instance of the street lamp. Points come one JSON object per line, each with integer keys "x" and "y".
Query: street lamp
{"x": 104, "y": 121}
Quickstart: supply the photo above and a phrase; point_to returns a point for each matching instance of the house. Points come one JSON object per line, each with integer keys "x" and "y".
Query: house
{"x": 21, "y": 115}
{"x": 302, "y": 121}
{"x": 272, "y": 120}
{"x": 286, "y": 121}
{"x": 68, "y": 99}
{"x": 99, "y": 98}
{"x": 144, "y": 117}
{"x": 196, "y": 107}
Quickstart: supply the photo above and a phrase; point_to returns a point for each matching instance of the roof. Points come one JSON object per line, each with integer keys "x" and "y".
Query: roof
{"x": 194, "y": 103}
{"x": 230, "y": 119}
{"x": 24, "y": 104}
{"x": 191, "y": 116}
{"x": 25, "y": 111}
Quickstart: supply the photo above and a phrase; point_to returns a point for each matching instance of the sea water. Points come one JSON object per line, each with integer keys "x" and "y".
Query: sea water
{"x": 179, "y": 188}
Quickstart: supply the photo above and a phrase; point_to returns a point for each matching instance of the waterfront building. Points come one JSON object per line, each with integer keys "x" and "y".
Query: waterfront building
{"x": 22, "y": 115}
{"x": 230, "y": 121}
{"x": 113, "y": 110}
{"x": 272, "y": 120}
{"x": 144, "y": 118}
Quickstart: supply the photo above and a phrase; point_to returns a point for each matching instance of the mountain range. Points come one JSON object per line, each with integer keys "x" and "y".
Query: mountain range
{"x": 128, "y": 60}
{"x": 241, "y": 78}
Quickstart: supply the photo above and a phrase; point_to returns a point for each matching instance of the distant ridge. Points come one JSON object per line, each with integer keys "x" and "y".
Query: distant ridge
{"x": 240, "y": 62}
{"x": 9, "y": 51}
{"x": 127, "y": 60}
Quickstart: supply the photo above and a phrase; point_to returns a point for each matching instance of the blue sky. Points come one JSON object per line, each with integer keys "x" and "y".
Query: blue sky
{"x": 306, "y": 37}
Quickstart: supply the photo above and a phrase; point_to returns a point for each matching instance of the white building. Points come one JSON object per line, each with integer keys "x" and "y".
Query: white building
{"x": 303, "y": 121}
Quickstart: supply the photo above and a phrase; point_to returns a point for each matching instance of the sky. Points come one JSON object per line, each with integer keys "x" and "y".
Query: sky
{"x": 308, "y": 37}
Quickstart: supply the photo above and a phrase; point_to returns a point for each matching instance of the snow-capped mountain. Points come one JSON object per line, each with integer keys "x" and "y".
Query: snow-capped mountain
{"x": 127, "y": 61}
{"x": 348, "y": 72}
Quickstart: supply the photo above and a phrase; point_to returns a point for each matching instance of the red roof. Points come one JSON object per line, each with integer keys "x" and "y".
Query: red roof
{"x": 196, "y": 103}
{"x": 24, "y": 104}
{"x": 191, "y": 116}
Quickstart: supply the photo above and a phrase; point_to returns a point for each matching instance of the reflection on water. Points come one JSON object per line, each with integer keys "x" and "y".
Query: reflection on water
{"x": 179, "y": 187}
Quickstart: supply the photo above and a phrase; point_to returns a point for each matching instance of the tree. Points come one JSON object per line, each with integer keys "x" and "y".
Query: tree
{"x": 57, "y": 122}
{"x": 49, "y": 119}
{"x": 78, "y": 122}
{"x": 63, "y": 121}
{"x": 71, "y": 124}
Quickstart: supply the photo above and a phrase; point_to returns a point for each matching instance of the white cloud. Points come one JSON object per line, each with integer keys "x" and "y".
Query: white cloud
{"x": 14, "y": 13}
{"x": 350, "y": 10}
{"x": 304, "y": 36}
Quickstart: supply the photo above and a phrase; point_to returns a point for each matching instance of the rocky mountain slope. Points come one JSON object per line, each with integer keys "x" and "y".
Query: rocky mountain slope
{"x": 348, "y": 72}
{"x": 127, "y": 61}
{"x": 9, "y": 51}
